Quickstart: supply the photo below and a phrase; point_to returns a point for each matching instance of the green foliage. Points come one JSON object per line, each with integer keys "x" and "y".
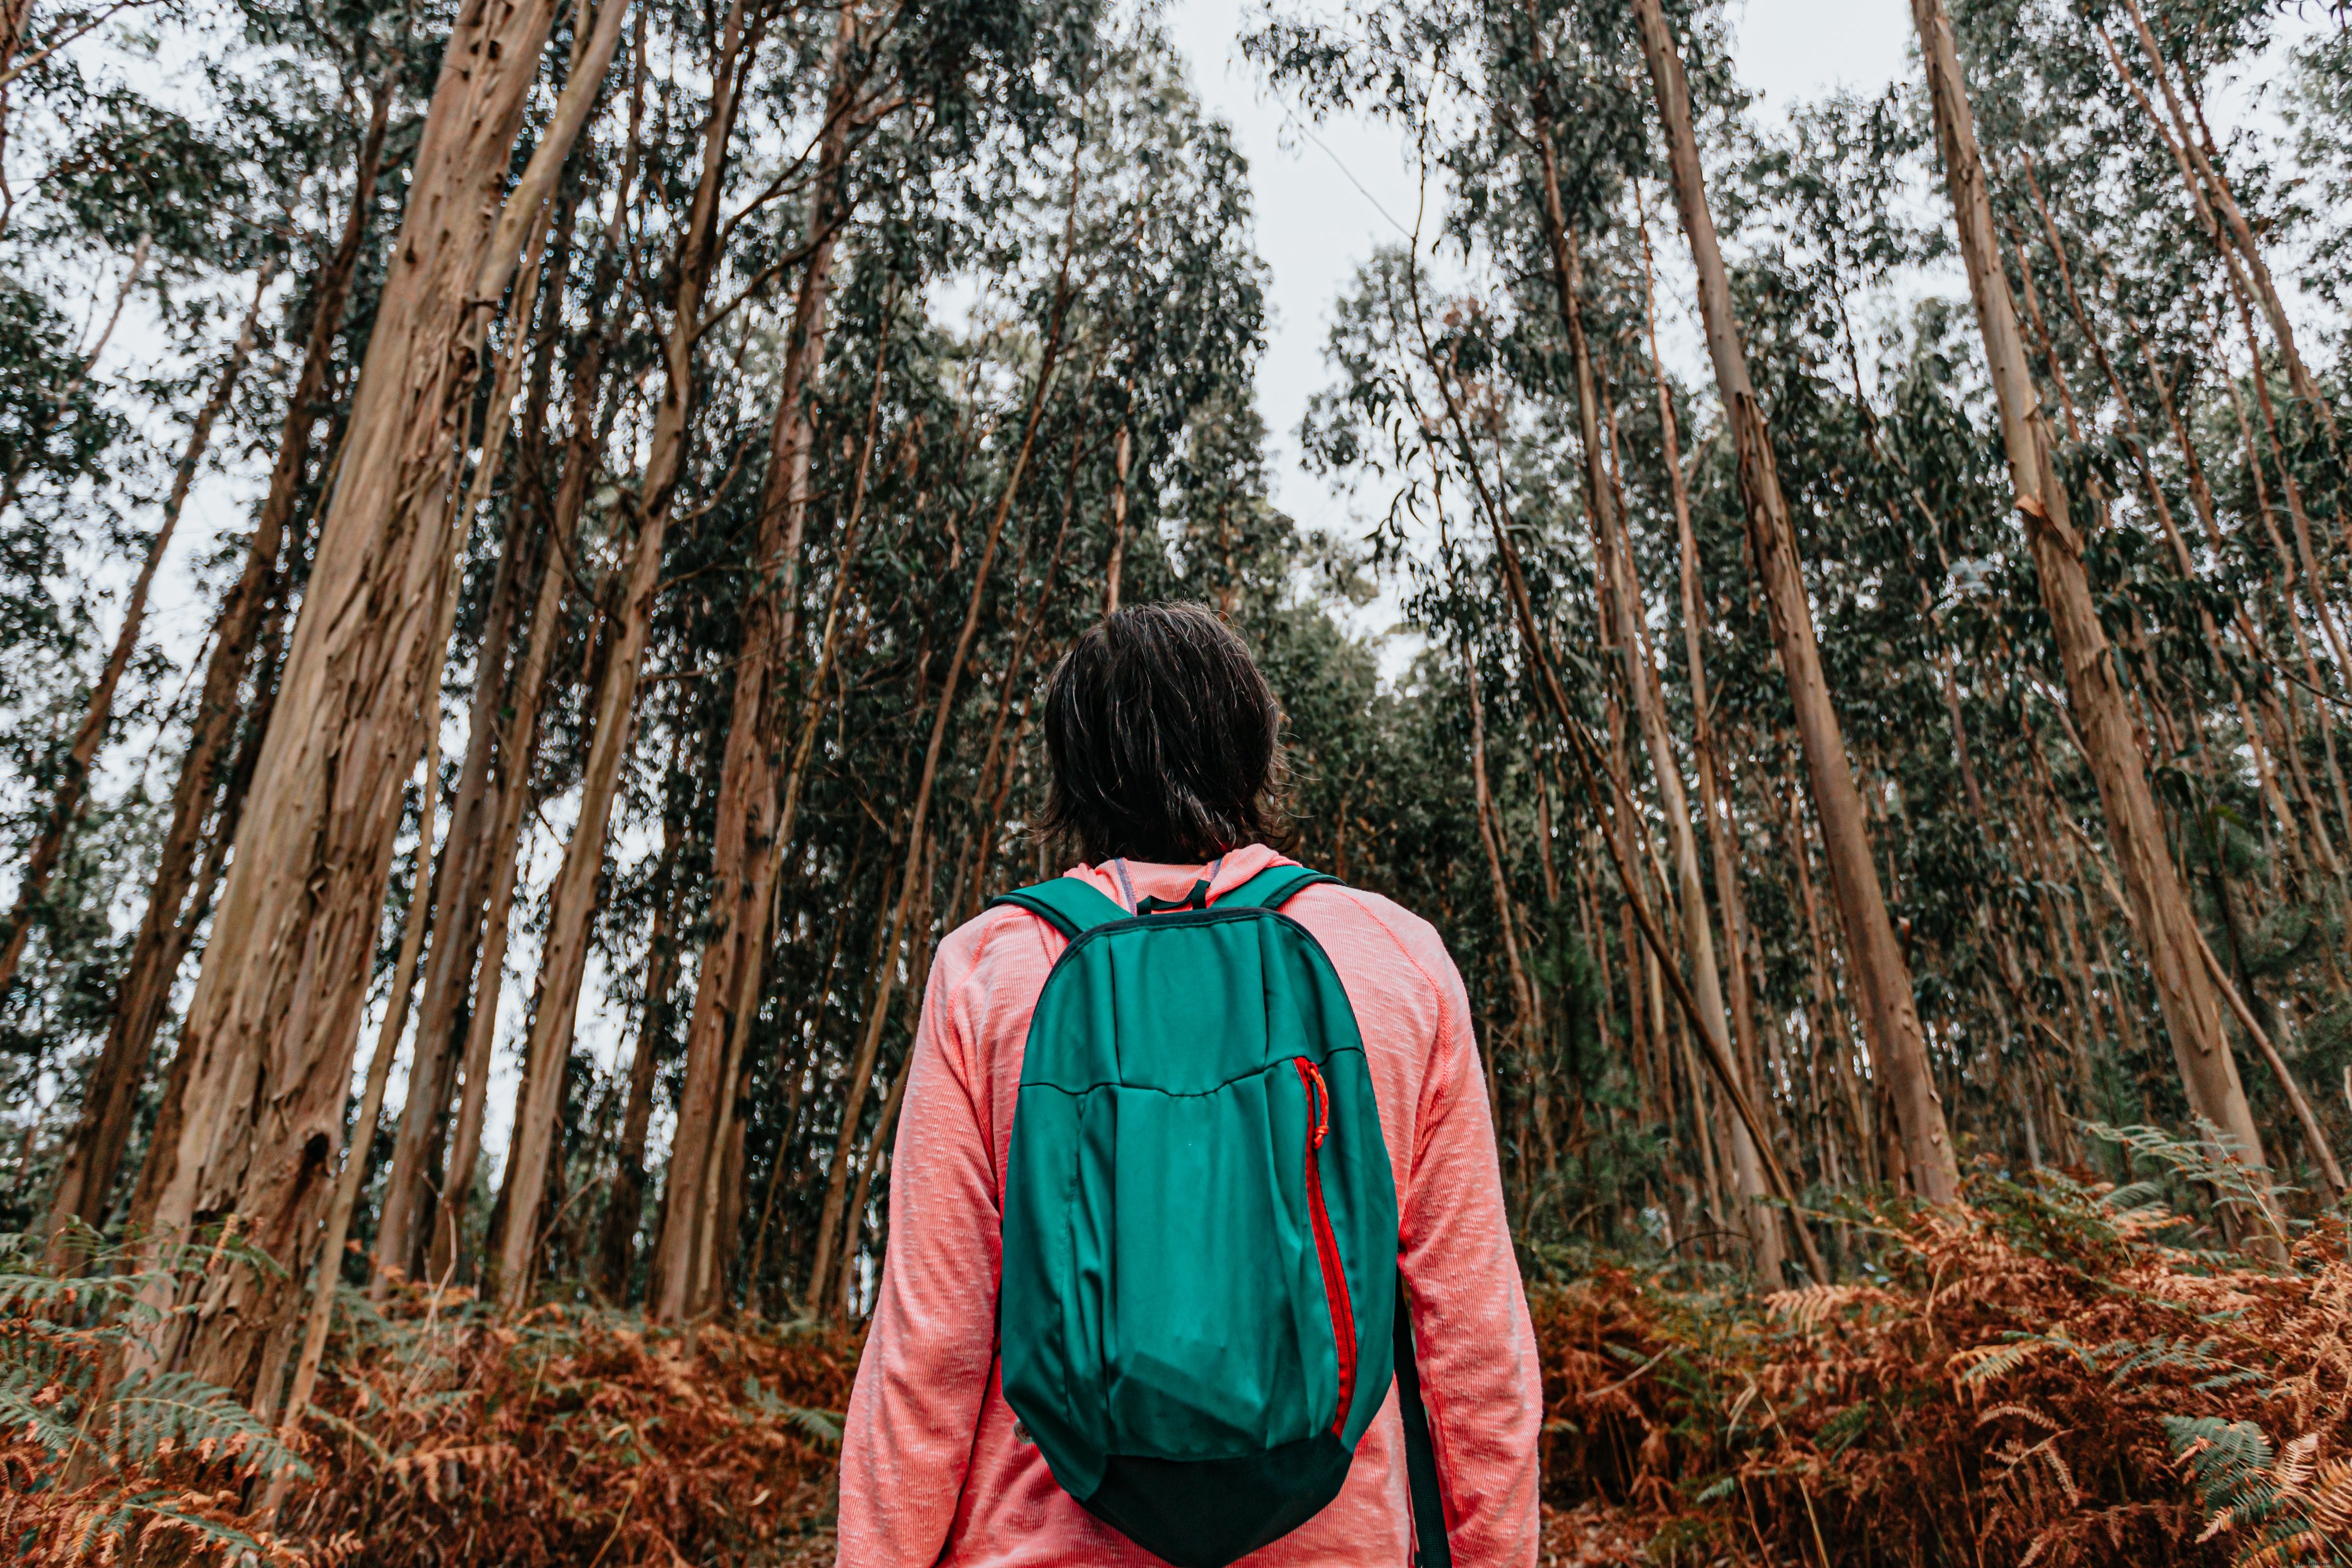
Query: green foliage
{"x": 72, "y": 1339}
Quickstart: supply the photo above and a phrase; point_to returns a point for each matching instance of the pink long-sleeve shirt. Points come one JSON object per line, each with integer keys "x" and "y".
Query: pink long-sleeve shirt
{"x": 931, "y": 1471}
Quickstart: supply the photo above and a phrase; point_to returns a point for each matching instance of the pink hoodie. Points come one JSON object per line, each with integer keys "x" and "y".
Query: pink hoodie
{"x": 930, "y": 1469}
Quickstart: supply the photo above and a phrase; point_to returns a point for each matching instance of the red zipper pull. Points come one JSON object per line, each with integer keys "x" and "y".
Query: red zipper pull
{"x": 1318, "y": 1102}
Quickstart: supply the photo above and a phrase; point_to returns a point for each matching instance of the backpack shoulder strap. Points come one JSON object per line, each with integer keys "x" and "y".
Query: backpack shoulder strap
{"x": 1070, "y": 905}
{"x": 1431, "y": 1547}
{"x": 1273, "y": 887}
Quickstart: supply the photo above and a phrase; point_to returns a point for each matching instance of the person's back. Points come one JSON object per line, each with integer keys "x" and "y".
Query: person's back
{"x": 1162, "y": 736}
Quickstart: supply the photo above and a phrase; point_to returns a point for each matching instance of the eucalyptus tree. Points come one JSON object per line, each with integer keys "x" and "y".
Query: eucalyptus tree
{"x": 270, "y": 1029}
{"x": 292, "y": 179}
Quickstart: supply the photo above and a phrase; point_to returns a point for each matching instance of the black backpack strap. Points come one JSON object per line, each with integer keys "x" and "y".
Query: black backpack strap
{"x": 1431, "y": 1549}
{"x": 1071, "y": 905}
{"x": 1273, "y": 887}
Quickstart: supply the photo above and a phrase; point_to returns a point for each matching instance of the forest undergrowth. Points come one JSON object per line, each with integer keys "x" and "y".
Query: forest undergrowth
{"x": 2056, "y": 1370}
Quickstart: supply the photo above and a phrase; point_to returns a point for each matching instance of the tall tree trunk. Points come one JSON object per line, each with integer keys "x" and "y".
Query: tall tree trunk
{"x": 271, "y": 1028}
{"x": 110, "y": 1100}
{"x": 1117, "y": 567}
{"x": 861, "y": 1074}
{"x": 1483, "y": 804}
{"x": 1882, "y": 976}
{"x": 878, "y": 1146}
{"x": 2167, "y": 926}
{"x": 348, "y": 1181}
{"x": 625, "y": 1205}
{"x": 1621, "y": 601}
{"x": 572, "y": 902}
{"x": 486, "y": 813}
{"x": 2240, "y": 234}
{"x": 456, "y": 895}
{"x": 97, "y": 714}
{"x": 1536, "y": 643}
{"x": 727, "y": 985}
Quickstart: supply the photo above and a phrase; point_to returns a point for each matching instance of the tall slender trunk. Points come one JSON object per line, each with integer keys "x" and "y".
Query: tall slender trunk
{"x": 572, "y": 902}
{"x": 726, "y": 987}
{"x": 97, "y": 714}
{"x": 861, "y": 1074}
{"x": 1117, "y": 567}
{"x": 720, "y": 1186}
{"x": 272, "y": 1025}
{"x": 1707, "y": 761}
{"x": 2183, "y": 562}
{"x": 320, "y": 1315}
{"x": 1882, "y": 976}
{"x": 993, "y": 812}
{"x": 1536, "y": 644}
{"x": 467, "y": 854}
{"x": 2167, "y": 926}
{"x": 453, "y": 918}
{"x": 1527, "y": 994}
{"x": 1483, "y": 804}
{"x": 625, "y": 1204}
{"x": 94, "y": 1157}
{"x": 2240, "y": 233}
{"x": 877, "y": 1146}
{"x": 486, "y": 813}
{"x": 788, "y": 1137}
{"x": 1621, "y": 601}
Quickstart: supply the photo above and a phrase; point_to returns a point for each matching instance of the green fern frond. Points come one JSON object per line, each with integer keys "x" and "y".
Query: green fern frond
{"x": 157, "y": 1413}
{"x": 821, "y": 1427}
{"x": 36, "y": 1406}
{"x": 144, "y": 1511}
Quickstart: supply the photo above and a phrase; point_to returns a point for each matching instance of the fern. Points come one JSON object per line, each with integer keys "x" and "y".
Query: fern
{"x": 36, "y": 1404}
{"x": 2214, "y": 1160}
{"x": 2288, "y": 1507}
{"x": 154, "y": 1415}
{"x": 157, "y": 1510}
{"x": 821, "y": 1427}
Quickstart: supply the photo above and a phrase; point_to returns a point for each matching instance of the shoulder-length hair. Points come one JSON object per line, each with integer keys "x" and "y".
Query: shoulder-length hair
{"x": 1164, "y": 739}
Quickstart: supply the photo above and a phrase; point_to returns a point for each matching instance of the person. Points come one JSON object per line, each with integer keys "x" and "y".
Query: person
{"x": 1163, "y": 736}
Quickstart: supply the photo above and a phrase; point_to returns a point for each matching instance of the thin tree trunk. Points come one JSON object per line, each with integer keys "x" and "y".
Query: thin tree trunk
{"x": 2239, "y": 233}
{"x": 1534, "y": 640}
{"x": 2315, "y": 1136}
{"x": 458, "y": 896}
{"x": 486, "y": 814}
{"x": 2184, "y": 993}
{"x": 861, "y": 1073}
{"x": 1721, "y": 844}
{"x": 744, "y": 816}
{"x": 348, "y": 1180}
{"x": 1621, "y": 601}
{"x": 878, "y": 1148}
{"x": 625, "y": 1204}
{"x": 1882, "y": 976}
{"x": 1483, "y": 804}
{"x": 793, "y": 1093}
{"x": 1117, "y": 566}
{"x": 97, "y": 714}
{"x": 572, "y": 902}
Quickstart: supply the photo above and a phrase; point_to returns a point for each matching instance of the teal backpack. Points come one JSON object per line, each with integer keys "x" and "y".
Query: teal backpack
{"x": 1200, "y": 1309}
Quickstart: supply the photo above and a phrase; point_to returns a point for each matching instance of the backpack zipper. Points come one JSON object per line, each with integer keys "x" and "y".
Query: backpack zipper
{"x": 1327, "y": 1243}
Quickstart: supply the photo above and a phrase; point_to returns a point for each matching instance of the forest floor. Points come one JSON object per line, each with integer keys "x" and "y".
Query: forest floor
{"x": 2050, "y": 1374}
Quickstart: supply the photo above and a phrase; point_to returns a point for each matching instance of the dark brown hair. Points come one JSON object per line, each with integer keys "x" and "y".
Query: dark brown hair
{"x": 1164, "y": 739}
